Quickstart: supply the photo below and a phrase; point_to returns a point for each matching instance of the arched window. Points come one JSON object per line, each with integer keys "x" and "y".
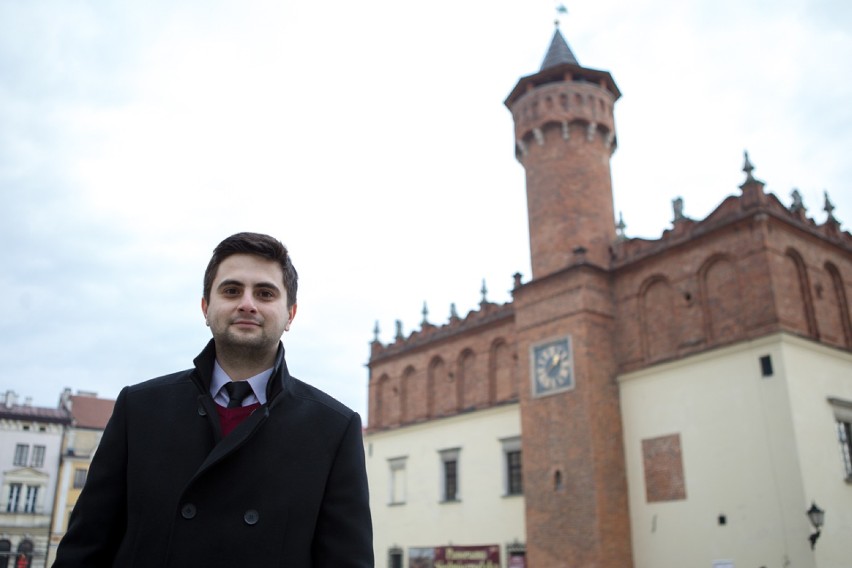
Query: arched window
{"x": 803, "y": 291}
{"x": 841, "y": 307}
{"x": 721, "y": 299}
{"x": 472, "y": 388}
{"x": 501, "y": 371}
{"x": 24, "y": 557}
{"x": 659, "y": 318}
{"x": 5, "y": 552}
{"x": 444, "y": 391}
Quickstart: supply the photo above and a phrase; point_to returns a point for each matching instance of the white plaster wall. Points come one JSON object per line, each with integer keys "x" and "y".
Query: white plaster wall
{"x": 482, "y": 516}
{"x": 11, "y": 434}
{"x": 815, "y": 373}
{"x": 752, "y": 448}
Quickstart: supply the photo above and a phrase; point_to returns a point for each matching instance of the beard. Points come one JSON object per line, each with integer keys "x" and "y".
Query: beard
{"x": 237, "y": 345}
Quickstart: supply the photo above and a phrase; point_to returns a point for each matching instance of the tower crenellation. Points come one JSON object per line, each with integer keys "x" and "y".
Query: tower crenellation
{"x": 574, "y": 109}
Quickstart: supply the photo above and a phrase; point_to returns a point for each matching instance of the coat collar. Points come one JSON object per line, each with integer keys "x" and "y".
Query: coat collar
{"x": 279, "y": 380}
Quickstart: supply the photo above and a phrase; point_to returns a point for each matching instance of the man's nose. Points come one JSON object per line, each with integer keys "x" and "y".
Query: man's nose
{"x": 247, "y": 303}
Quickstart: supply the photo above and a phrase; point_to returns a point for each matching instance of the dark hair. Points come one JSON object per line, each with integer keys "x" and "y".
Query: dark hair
{"x": 259, "y": 245}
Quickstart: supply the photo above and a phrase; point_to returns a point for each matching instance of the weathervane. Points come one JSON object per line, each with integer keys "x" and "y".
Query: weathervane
{"x": 560, "y": 10}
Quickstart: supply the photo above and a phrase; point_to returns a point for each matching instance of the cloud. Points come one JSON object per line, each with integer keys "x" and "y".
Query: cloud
{"x": 372, "y": 139}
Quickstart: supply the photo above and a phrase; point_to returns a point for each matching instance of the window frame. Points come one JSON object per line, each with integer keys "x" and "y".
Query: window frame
{"x": 450, "y": 484}
{"x": 842, "y": 410}
{"x": 22, "y": 454}
{"x": 31, "y": 499}
{"x": 14, "y": 497}
{"x": 844, "y": 435}
{"x": 513, "y": 480}
{"x": 80, "y": 475}
{"x": 38, "y": 455}
{"x": 397, "y": 489}
{"x": 395, "y": 554}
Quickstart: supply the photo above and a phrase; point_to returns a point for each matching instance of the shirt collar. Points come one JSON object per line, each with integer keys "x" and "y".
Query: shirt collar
{"x": 221, "y": 378}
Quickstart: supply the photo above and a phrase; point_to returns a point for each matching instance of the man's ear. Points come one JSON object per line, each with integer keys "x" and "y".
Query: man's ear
{"x": 291, "y": 313}
{"x": 204, "y": 310}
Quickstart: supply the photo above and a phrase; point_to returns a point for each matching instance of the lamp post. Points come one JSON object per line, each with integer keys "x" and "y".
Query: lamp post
{"x": 817, "y": 518}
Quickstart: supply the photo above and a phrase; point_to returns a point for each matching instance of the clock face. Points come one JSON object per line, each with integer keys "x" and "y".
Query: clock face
{"x": 552, "y": 366}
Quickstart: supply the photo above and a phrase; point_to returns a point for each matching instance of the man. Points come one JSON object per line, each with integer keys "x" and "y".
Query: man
{"x": 192, "y": 472}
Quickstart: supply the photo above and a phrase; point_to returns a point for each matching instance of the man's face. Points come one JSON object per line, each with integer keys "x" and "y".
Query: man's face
{"x": 247, "y": 309}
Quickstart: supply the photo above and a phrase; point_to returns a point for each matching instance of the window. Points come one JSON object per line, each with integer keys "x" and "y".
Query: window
{"x": 766, "y": 366}
{"x": 24, "y": 558}
{"x": 5, "y": 552}
{"x": 513, "y": 466}
{"x": 38, "y": 456}
{"x": 21, "y": 453}
{"x": 512, "y": 473}
{"x": 516, "y": 553}
{"x": 80, "y": 478}
{"x": 395, "y": 557}
{"x": 31, "y": 499}
{"x": 844, "y": 435}
{"x": 397, "y": 480}
{"x": 14, "y": 497}
{"x": 451, "y": 480}
{"x": 450, "y": 475}
{"x": 843, "y": 419}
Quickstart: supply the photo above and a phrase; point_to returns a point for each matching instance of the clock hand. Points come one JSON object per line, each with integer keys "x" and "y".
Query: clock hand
{"x": 553, "y": 363}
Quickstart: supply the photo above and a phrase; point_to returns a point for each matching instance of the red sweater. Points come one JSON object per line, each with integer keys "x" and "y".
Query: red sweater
{"x": 230, "y": 418}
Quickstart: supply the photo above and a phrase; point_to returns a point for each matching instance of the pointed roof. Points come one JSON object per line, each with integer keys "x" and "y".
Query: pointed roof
{"x": 558, "y": 53}
{"x": 560, "y": 65}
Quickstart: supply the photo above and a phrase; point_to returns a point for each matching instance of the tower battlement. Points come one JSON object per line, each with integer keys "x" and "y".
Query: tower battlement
{"x": 573, "y": 109}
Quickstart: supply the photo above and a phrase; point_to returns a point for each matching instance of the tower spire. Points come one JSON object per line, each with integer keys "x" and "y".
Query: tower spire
{"x": 558, "y": 53}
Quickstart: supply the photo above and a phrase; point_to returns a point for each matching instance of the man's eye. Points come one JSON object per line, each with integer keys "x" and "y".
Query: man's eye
{"x": 266, "y": 294}
{"x": 230, "y": 291}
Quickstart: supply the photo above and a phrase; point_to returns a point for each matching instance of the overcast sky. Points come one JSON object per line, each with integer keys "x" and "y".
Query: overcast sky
{"x": 371, "y": 138}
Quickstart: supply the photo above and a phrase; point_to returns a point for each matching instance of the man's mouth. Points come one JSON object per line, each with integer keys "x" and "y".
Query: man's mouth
{"x": 246, "y": 323}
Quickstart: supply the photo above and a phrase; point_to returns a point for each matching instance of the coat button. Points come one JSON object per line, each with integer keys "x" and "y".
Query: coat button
{"x": 201, "y": 411}
{"x": 251, "y": 517}
{"x": 188, "y": 511}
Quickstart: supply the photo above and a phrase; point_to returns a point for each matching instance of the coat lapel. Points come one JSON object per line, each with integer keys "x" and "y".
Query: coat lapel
{"x": 233, "y": 441}
{"x": 244, "y": 431}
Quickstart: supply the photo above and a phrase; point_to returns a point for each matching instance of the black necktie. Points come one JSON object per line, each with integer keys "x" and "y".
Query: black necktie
{"x": 237, "y": 391}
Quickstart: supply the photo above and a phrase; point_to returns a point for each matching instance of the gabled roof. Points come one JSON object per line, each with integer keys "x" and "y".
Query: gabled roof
{"x": 90, "y": 411}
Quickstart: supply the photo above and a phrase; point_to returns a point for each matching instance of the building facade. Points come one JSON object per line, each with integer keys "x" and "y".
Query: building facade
{"x": 89, "y": 416}
{"x": 680, "y": 401}
{"x": 432, "y": 477}
{"x": 30, "y": 445}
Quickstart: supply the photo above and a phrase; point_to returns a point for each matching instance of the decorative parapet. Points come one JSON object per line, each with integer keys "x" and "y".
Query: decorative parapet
{"x": 488, "y": 314}
{"x": 752, "y": 202}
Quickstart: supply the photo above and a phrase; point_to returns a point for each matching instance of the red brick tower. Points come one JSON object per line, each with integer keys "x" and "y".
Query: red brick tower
{"x": 564, "y": 136}
{"x": 575, "y": 487}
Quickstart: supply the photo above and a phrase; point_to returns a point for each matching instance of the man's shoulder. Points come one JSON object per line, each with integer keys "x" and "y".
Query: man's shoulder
{"x": 179, "y": 378}
{"x": 310, "y": 393}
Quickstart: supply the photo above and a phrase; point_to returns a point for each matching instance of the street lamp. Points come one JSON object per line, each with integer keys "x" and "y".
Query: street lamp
{"x": 817, "y": 518}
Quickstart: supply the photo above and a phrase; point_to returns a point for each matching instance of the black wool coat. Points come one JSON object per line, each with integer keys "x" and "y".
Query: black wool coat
{"x": 287, "y": 488}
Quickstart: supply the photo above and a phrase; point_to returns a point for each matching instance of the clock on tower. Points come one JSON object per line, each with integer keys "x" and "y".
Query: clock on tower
{"x": 551, "y": 366}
